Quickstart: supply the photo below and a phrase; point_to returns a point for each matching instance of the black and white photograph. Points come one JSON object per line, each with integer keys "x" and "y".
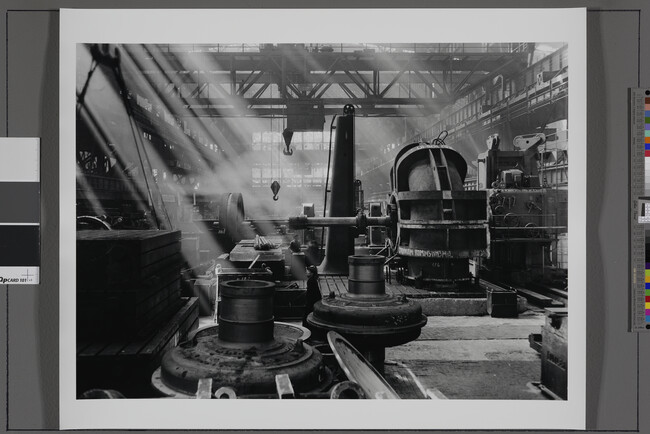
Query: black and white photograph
{"x": 384, "y": 217}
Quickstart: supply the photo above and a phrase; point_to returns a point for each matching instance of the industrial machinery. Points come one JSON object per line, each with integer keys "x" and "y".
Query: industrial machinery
{"x": 248, "y": 355}
{"x": 376, "y": 235}
{"x": 245, "y": 356}
{"x": 523, "y": 212}
{"x": 368, "y": 317}
{"x": 433, "y": 232}
{"x": 435, "y": 225}
{"x": 438, "y": 226}
{"x": 342, "y": 195}
{"x": 222, "y": 215}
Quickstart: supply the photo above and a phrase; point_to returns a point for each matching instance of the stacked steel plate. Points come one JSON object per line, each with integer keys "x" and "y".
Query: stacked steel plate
{"x": 127, "y": 281}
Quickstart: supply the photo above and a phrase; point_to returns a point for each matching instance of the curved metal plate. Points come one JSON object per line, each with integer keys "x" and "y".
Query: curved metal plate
{"x": 357, "y": 369}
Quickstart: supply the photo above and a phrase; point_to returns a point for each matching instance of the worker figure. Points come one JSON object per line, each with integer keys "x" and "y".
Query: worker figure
{"x": 313, "y": 292}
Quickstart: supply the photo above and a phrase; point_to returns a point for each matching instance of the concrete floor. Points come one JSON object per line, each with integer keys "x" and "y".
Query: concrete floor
{"x": 476, "y": 357}
{"x": 469, "y": 357}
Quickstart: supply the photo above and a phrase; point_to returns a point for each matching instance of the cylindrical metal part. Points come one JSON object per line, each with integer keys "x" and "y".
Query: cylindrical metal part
{"x": 298, "y": 266}
{"x": 225, "y": 393}
{"x": 246, "y": 312}
{"x": 231, "y": 215}
{"x": 366, "y": 275}
{"x": 366, "y": 315}
{"x": 243, "y": 354}
{"x": 340, "y": 240}
{"x": 366, "y": 267}
{"x": 302, "y": 222}
{"x": 379, "y": 221}
{"x": 347, "y": 390}
{"x": 330, "y": 221}
{"x": 358, "y": 194}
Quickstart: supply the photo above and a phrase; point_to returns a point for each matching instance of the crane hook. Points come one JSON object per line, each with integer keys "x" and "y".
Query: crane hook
{"x": 287, "y": 134}
{"x": 275, "y": 188}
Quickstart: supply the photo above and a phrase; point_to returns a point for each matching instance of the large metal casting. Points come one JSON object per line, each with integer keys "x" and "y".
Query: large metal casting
{"x": 245, "y": 355}
{"x": 438, "y": 225}
{"x": 368, "y": 317}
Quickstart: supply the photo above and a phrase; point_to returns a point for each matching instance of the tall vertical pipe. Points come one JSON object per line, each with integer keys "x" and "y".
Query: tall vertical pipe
{"x": 340, "y": 240}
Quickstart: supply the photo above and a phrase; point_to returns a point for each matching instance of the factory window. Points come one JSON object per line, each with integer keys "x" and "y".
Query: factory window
{"x": 318, "y": 172}
{"x": 256, "y": 174}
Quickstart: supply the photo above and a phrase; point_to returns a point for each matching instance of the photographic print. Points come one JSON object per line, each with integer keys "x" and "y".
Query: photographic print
{"x": 382, "y": 221}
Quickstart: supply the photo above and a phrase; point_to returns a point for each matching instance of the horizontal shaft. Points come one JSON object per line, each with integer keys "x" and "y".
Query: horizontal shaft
{"x": 360, "y": 222}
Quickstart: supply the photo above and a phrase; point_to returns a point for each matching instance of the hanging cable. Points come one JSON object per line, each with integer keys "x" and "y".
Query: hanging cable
{"x": 123, "y": 90}
{"x": 440, "y": 140}
{"x": 99, "y": 56}
{"x": 275, "y": 185}
{"x": 82, "y": 95}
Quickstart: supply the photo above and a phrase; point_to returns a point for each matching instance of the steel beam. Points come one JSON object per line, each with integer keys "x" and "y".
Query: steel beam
{"x": 281, "y": 112}
{"x": 354, "y": 99}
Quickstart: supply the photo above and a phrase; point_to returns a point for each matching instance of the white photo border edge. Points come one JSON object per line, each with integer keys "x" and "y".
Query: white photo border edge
{"x": 405, "y": 25}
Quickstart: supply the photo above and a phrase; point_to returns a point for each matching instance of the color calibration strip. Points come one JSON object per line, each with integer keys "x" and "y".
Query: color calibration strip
{"x": 646, "y": 138}
{"x": 639, "y": 115}
{"x": 20, "y": 211}
{"x": 647, "y": 292}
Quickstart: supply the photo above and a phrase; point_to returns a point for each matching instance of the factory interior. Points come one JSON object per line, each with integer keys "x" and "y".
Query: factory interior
{"x": 322, "y": 221}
